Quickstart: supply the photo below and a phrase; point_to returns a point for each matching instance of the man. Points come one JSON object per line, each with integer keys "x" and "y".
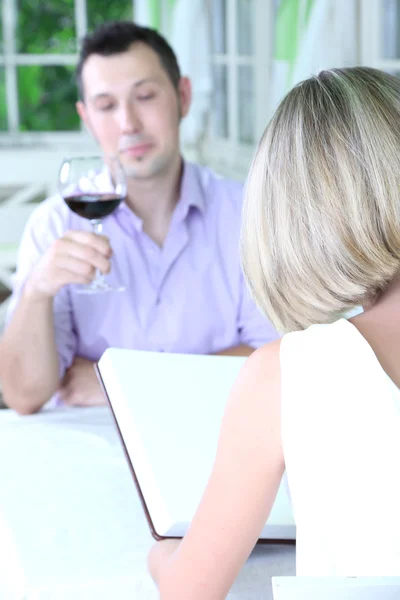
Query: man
{"x": 173, "y": 244}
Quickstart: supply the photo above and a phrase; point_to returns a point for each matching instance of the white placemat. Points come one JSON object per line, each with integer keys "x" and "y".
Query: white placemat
{"x": 75, "y": 526}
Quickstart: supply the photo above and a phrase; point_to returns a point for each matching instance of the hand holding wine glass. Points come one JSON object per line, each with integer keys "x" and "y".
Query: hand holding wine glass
{"x": 74, "y": 258}
{"x": 93, "y": 188}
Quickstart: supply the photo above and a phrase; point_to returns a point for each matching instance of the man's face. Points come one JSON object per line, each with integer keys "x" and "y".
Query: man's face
{"x": 133, "y": 110}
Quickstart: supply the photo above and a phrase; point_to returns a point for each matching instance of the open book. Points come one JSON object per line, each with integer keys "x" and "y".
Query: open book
{"x": 168, "y": 409}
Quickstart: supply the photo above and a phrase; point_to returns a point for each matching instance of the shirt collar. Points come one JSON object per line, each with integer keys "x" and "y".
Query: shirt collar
{"x": 191, "y": 194}
{"x": 128, "y": 216}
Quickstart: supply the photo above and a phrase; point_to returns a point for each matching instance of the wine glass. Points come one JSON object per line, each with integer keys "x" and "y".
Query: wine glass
{"x": 93, "y": 187}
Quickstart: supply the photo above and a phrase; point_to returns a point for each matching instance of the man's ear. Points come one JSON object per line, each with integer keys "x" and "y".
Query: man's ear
{"x": 185, "y": 95}
{"x": 81, "y": 110}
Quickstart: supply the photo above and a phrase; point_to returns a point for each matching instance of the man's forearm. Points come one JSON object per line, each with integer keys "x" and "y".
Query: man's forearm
{"x": 28, "y": 355}
{"x": 241, "y": 350}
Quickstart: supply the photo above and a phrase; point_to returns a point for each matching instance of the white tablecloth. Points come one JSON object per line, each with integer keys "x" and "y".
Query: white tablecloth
{"x": 71, "y": 524}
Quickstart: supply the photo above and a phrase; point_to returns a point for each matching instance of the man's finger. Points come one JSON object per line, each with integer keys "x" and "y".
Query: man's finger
{"x": 100, "y": 243}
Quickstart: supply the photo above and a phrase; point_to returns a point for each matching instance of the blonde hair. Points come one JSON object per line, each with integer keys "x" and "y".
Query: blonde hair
{"x": 321, "y": 223}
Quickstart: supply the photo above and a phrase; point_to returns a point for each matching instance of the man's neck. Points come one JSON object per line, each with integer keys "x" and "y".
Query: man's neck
{"x": 154, "y": 201}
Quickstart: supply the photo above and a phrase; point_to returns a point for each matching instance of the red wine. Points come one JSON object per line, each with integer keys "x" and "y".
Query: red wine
{"x": 93, "y": 206}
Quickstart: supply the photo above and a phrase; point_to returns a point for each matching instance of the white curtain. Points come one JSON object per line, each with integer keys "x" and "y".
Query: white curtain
{"x": 328, "y": 38}
{"x": 190, "y": 39}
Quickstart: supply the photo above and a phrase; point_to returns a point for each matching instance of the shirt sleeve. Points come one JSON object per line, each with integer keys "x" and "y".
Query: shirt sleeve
{"x": 254, "y": 328}
{"x": 43, "y": 228}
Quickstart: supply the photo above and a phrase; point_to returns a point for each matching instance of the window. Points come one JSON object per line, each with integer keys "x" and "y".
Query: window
{"x": 380, "y": 35}
{"x": 241, "y": 34}
{"x": 38, "y": 54}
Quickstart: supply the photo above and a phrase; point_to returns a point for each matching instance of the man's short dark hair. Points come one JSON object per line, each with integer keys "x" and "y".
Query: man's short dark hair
{"x": 116, "y": 37}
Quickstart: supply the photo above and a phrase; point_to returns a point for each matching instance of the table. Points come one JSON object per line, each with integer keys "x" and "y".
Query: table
{"x": 71, "y": 524}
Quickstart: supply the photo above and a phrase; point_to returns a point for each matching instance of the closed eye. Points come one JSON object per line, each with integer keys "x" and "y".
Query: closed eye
{"x": 105, "y": 107}
{"x": 146, "y": 97}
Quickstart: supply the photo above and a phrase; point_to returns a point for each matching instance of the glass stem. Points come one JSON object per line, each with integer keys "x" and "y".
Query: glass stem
{"x": 97, "y": 228}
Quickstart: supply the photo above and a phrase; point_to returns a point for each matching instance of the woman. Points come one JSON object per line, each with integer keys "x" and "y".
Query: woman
{"x": 321, "y": 236}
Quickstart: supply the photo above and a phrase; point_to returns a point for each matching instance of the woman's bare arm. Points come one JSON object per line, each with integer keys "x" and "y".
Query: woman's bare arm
{"x": 240, "y": 493}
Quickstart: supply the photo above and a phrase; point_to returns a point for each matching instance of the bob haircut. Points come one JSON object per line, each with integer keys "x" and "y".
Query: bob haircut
{"x": 321, "y": 222}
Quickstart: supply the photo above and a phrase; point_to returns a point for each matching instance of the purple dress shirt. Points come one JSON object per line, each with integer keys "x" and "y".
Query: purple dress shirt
{"x": 188, "y": 296}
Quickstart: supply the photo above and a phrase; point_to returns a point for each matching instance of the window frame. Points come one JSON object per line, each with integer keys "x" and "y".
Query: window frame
{"x": 230, "y": 156}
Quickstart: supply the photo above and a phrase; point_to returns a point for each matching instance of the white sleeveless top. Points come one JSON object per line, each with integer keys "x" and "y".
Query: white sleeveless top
{"x": 341, "y": 441}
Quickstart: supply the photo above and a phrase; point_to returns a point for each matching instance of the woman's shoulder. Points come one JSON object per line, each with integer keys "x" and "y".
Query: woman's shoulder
{"x": 258, "y": 386}
{"x": 263, "y": 363}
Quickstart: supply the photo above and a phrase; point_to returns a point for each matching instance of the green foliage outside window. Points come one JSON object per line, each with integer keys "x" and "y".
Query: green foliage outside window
{"x": 47, "y": 94}
{"x": 99, "y": 11}
{"x": 47, "y": 98}
{"x": 45, "y": 27}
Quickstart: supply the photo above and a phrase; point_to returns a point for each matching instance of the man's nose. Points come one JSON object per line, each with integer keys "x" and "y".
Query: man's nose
{"x": 129, "y": 119}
